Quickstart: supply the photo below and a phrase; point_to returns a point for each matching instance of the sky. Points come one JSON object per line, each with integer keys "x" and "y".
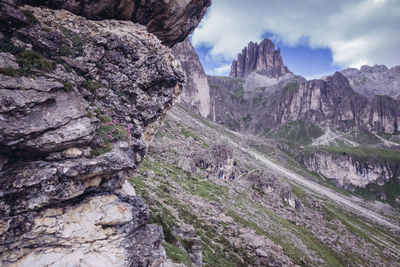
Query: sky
{"x": 316, "y": 37}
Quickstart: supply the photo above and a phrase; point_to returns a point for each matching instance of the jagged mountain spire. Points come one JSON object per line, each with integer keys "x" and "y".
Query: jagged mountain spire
{"x": 261, "y": 58}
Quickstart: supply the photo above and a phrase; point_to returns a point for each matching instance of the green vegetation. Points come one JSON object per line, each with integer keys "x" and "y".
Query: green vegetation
{"x": 68, "y": 86}
{"x": 391, "y": 190}
{"x": 238, "y": 93}
{"x": 217, "y": 251}
{"x": 297, "y": 132}
{"x": 77, "y": 40}
{"x": 213, "y": 85}
{"x": 113, "y": 131}
{"x": 9, "y": 71}
{"x": 101, "y": 117}
{"x": 357, "y": 226}
{"x": 90, "y": 114}
{"x": 298, "y": 192}
{"x": 290, "y": 88}
{"x": 30, "y": 16}
{"x": 176, "y": 254}
{"x": 66, "y": 51}
{"x": 31, "y": 59}
{"x": 313, "y": 243}
{"x": 187, "y": 133}
{"x": 364, "y": 138}
{"x": 205, "y": 189}
{"x": 6, "y": 45}
{"x": 46, "y": 29}
{"x": 95, "y": 152}
{"x": 360, "y": 153}
{"x": 93, "y": 85}
{"x": 167, "y": 194}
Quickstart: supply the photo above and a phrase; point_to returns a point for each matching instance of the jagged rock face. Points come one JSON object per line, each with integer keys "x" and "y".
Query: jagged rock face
{"x": 80, "y": 101}
{"x": 331, "y": 102}
{"x": 260, "y": 58}
{"x": 196, "y": 91}
{"x": 375, "y": 80}
{"x": 348, "y": 172}
{"x": 170, "y": 21}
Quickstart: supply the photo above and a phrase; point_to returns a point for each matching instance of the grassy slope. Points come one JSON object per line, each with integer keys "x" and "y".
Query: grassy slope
{"x": 170, "y": 207}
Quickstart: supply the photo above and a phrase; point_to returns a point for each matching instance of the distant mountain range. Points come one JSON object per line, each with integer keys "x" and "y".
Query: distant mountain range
{"x": 339, "y": 114}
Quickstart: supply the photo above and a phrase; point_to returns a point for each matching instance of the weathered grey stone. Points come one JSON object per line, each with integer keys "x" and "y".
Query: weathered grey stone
{"x": 8, "y": 60}
{"x": 170, "y": 21}
{"x": 196, "y": 92}
{"x": 75, "y": 122}
{"x": 349, "y": 172}
{"x": 72, "y": 153}
{"x": 374, "y": 80}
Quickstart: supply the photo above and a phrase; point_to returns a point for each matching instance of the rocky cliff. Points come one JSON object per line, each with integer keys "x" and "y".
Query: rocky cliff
{"x": 260, "y": 58}
{"x": 354, "y": 107}
{"x": 170, "y": 21}
{"x": 376, "y": 80}
{"x": 349, "y": 171}
{"x": 333, "y": 103}
{"x": 196, "y": 91}
{"x": 326, "y": 103}
{"x": 80, "y": 102}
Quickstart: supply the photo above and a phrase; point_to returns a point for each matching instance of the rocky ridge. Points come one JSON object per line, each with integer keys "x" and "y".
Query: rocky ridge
{"x": 374, "y": 80}
{"x": 260, "y": 58}
{"x": 355, "y": 108}
{"x": 80, "y": 102}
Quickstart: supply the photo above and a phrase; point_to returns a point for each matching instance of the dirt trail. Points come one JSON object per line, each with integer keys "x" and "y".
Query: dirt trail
{"x": 318, "y": 189}
{"x": 321, "y": 190}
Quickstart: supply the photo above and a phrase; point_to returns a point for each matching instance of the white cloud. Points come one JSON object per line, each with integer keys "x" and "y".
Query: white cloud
{"x": 221, "y": 71}
{"x": 357, "y": 31}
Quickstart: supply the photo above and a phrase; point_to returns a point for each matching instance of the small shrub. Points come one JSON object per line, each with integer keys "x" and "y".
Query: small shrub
{"x": 238, "y": 93}
{"x": 32, "y": 59}
{"x": 6, "y": 45}
{"x": 90, "y": 114}
{"x": 46, "y": 29}
{"x": 31, "y": 17}
{"x": 68, "y": 86}
{"x": 66, "y": 51}
{"x": 9, "y": 71}
{"x": 76, "y": 39}
{"x": 290, "y": 88}
{"x": 93, "y": 85}
{"x": 100, "y": 150}
{"x": 114, "y": 131}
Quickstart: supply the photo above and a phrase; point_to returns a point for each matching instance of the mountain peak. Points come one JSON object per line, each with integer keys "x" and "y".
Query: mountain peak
{"x": 261, "y": 58}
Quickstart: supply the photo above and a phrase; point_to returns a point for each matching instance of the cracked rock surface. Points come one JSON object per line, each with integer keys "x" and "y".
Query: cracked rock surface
{"x": 79, "y": 103}
{"x": 170, "y": 21}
